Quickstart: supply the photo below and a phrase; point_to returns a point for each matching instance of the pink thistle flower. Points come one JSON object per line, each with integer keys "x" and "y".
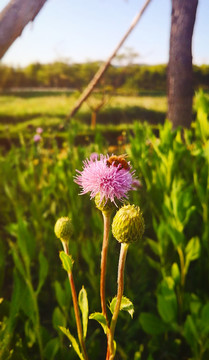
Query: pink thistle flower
{"x": 94, "y": 156}
{"x": 110, "y": 181}
{"x": 39, "y": 130}
{"x": 36, "y": 138}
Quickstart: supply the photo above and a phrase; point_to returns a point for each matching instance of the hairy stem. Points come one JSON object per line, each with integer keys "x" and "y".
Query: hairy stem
{"x": 76, "y": 308}
{"x": 106, "y": 217}
{"x": 121, "y": 267}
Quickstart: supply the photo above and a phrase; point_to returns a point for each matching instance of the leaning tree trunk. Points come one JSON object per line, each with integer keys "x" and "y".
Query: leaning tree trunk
{"x": 180, "y": 74}
{"x": 14, "y": 17}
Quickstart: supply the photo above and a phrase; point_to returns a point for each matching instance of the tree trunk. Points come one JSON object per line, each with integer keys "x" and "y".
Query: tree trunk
{"x": 14, "y": 17}
{"x": 180, "y": 74}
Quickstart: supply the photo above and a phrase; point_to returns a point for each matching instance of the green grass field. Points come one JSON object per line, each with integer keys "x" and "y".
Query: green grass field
{"x": 24, "y": 112}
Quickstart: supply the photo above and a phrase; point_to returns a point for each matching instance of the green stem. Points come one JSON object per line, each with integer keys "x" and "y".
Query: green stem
{"x": 121, "y": 267}
{"x": 106, "y": 217}
{"x": 76, "y": 308}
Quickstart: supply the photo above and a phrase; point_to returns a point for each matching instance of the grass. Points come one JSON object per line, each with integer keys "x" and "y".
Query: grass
{"x": 157, "y": 103}
{"x": 61, "y": 105}
{"x": 46, "y": 105}
{"x": 22, "y": 114}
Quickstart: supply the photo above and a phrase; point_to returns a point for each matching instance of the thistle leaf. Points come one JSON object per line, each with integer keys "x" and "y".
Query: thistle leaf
{"x": 126, "y": 305}
{"x": 99, "y": 317}
{"x": 83, "y": 304}
{"x": 67, "y": 261}
{"x": 73, "y": 341}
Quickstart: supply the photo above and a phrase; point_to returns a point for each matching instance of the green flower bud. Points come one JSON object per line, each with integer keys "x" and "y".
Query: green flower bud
{"x": 63, "y": 229}
{"x": 105, "y": 207}
{"x": 128, "y": 224}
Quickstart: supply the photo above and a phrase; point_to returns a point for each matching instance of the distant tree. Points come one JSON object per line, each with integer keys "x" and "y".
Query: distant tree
{"x": 180, "y": 74}
{"x": 127, "y": 57}
{"x": 14, "y": 17}
{"x": 98, "y": 100}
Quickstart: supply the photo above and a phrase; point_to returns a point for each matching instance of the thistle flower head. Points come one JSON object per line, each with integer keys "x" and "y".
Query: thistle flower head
{"x": 93, "y": 156}
{"x": 39, "y": 130}
{"x": 63, "y": 229}
{"x": 110, "y": 179}
{"x": 37, "y": 138}
{"x": 105, "y": 206}
{"x": 128, "y": 224}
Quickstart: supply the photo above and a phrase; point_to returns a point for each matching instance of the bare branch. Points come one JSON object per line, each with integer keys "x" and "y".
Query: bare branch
{"x": 104, "y": 67}
{"x": 14, "y": 17}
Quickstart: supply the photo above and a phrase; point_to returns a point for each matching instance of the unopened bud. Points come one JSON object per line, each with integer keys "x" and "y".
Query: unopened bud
{"x": 106, "y": 206}
{"x": 63, "y": 229}
{"x": 128, "y": 224}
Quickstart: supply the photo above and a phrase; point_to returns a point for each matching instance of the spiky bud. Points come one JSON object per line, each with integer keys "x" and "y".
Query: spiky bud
{"x": 106, "y": 206}
{"x": 128, "y": 224}
{"x": 63, "y": 229}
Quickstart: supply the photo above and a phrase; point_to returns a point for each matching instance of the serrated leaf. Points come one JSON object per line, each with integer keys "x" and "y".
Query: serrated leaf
{"x": 83, "y": 304}
{"x": 43, "y": 271}
{"x": 99, "y": 317}
{"x": 125, "y": 305}
{"x": 73, "y": 341}
{"x": 67, "y": 261}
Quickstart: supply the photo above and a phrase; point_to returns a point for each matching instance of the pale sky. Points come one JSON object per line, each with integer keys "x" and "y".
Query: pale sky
{"x": 80, "y": 30}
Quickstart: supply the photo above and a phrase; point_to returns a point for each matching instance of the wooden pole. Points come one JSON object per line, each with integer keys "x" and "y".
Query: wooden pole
{"x": 104, "y": 66}
{"x": 14, "y": 17}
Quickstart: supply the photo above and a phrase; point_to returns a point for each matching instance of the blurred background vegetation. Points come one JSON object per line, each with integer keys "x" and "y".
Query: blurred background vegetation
{"x": 129, "y": 79}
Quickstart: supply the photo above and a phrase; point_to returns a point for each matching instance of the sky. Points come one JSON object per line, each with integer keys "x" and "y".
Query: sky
{"x": 88, "y": 30}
